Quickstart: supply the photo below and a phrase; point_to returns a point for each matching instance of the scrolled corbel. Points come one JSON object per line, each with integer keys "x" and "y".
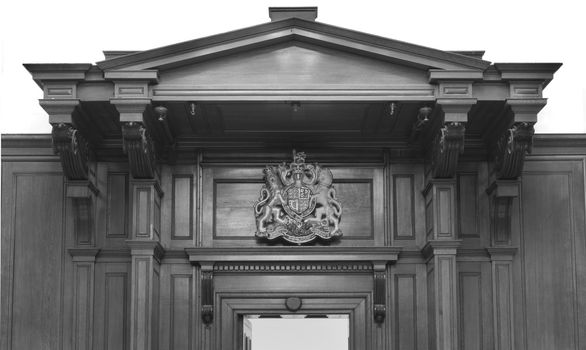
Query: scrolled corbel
{"x": 446, "y": 149}
{"x": 512, "y": 147}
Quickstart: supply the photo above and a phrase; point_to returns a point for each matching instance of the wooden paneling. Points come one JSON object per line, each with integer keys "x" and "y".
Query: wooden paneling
{"x": 117, "y": 205}
{"x": 230, "y": 193}
{"x": 182, "y": 207}
{"x": 431, "y": 314}
{"x": 444, "y": 212}
{"x": 468, "y": 205}
{"x": 83, "y": 300}
{"x": 502, "y": 299}
{"x": 115, "y": 311}
{"x": 404, "y": 207}
{"x": 181, "y": 307}
{"x": 475, "y": 329}
{"x": 471, "y": 311}
{"x": 142, "y": 216}
{"x": 112, "y": 306}
{"x": 553, "y": 249}
{"x": 234, "y": 213}
{"x": 357, "y": 211}
{"x": 38, "y": 242}
{"x": 405, "y": 311}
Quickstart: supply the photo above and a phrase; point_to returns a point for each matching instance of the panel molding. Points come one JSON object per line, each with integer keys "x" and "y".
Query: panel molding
{"x": 176, "y": 206}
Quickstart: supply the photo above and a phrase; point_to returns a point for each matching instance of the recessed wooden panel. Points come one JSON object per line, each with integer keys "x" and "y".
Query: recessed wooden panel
{"x": 234, "y": 211}
{"x": 549, "y": 260}
{"x": 357, "y": 211}
{"x": 444, "y": 210}
{"x": 38, "y": 249}
{"x": 470, "y": 300}
{"x": 117, "y": 205}
{"x": 405, "y": 311}
{"x": 142, "y": 215}
{"x": 403, "y": 207}
{"x": 429, "y": 217}
{"x": 181, "y": 312}
{"x": 115, "y": 311}
{"x": 182, "y": 224}
{"x": 502, "y": 307}
{"x": 431, "y": 315}
{"x": 83, "y": 299}
{"x": 468, "y": 205}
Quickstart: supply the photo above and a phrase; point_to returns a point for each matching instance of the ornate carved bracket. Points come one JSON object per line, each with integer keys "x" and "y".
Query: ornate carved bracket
{"x": 380, "y": 282}
{"x": 446, "y": 149}
{"x": 207, "y": 293}
{"x": 511, "y": 149}
{"x": 139, "y": 147}
{"x": 73, "y": 150}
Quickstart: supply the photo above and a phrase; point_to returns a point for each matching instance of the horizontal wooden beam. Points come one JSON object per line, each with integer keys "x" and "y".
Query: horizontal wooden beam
{"x": 292, "y": 253}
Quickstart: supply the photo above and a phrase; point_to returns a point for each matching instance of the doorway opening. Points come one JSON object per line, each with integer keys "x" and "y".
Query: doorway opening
{"x": 294, "y": 332}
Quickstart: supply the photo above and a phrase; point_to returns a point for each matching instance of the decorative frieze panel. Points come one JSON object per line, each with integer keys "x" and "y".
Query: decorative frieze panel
{"x": 287, "y": 267}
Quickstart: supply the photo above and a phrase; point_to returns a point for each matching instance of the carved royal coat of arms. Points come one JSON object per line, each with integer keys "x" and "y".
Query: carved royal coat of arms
{"x": 298, "y": 203}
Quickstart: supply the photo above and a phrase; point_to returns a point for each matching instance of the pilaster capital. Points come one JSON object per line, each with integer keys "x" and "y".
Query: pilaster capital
{"x": 455, "y": 109}
{"x": 525, "y": 110}
{"x": 502, "y": 253}
{"x": 61, "y": 110}
{"x": 83, "y": 254}
{"x": 440, "y": 247}
{"x": 146, "y": 248}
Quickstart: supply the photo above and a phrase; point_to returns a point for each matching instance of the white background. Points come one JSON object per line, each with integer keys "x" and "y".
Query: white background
{"x": 300, "y": 334}
{"x": 76, "y": 31}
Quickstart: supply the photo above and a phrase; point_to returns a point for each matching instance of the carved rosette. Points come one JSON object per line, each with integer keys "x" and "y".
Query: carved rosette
{"x": 512, "y": 147}
{"x": 298, "y": 203}
{"x": 447, "y": 147}
{"x": 140, "y": 150}
{"x": 73, "y": 150}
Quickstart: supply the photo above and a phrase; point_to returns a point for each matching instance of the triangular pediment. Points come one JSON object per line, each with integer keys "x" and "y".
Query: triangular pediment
{"x": 292, "y": 30}
{"x": 292, "y": 65}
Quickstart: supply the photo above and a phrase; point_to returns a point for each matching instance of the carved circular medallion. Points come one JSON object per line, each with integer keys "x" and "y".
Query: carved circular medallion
{"x": 293, "y": 303}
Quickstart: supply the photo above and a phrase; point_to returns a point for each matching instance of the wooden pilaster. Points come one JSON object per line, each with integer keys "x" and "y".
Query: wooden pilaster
{"x": 502, "y": 296}
{"x": 144, "y": 293}
{"x": 83, "y": 296}
{"x": 502, "y": 193}
{"x": 442, "y": 294}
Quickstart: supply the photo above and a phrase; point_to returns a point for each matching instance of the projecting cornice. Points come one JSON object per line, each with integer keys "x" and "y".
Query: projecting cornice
{"x": 287, "y": 30}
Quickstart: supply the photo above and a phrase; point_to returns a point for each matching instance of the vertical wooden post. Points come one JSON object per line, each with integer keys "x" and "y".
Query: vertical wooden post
{"x": 502, "y": 193}
{"x": 83, "y": 296}
{"x": 144, "y": 299}
{"x": 440, "y": 252}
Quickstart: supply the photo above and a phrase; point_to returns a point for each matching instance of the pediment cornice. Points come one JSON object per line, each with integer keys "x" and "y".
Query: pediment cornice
{"x": 293, "y": 29}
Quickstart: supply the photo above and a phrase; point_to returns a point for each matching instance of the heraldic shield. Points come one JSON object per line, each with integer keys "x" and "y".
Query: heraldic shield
{"x": 298, "y": 203}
